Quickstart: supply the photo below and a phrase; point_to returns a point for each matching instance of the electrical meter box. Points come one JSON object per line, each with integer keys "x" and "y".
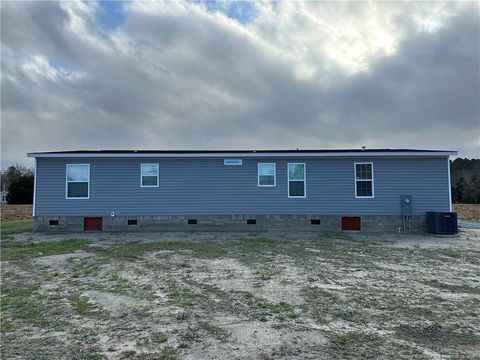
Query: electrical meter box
{"x": 406, "y": 205}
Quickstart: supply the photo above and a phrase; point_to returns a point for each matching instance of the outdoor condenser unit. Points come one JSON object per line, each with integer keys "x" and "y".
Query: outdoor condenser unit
{"x": 442, "y": 223}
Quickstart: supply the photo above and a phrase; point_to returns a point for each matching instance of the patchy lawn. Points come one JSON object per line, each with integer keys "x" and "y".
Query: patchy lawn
{"x": 167, "y": 296}
{"x": 16, "y": 226}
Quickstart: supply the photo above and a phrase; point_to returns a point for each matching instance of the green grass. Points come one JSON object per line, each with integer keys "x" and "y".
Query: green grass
{"x": 354, "y": 338}
{"x": 189, "y": 336}
{"x": 366, "y": 345}
{"x": 182, "y": 297}
{"x": 263, "y": 310}
{"x": 215, "y": 331}
{"x": 244, "y": 248}
{"x": 83, "y": 307}
{"x": 318, "y": 295}
{"x": 19, "y": 251}
{"x": 438, "y": 336}
{"x": 120, "y": 285}
{"x": 167, "y": 354}
{"x": 25, "y": 304}
{"x": 88, "y": 266}
{"x": 348, "y": 314}
{"x": 16, "y": 226}
{"x": 452, "y": 287}
{"x": 136, "y": 250}
{"x": 197, "y": 334}
{"x": 160, "y": 338}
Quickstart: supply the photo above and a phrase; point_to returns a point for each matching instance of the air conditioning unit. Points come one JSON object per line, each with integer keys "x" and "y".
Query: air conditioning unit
{"x": 442, "y": 223}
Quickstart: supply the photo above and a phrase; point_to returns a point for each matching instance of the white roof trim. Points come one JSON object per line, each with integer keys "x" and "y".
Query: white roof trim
{"x": 367, "y": 154}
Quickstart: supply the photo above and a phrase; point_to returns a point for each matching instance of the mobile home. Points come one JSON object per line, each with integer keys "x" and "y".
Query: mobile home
{"x": 148, "y": 190}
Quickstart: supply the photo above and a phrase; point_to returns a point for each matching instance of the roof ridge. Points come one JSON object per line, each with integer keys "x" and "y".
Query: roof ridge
{"x": 182, "y": 151}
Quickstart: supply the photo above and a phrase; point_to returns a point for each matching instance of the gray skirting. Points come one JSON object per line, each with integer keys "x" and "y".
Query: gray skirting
{"x": 369, "y": 223}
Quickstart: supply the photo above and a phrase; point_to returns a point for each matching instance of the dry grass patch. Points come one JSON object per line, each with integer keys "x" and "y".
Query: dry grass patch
{"x": 467, "y": 211}
{"x": 301, "y": 296}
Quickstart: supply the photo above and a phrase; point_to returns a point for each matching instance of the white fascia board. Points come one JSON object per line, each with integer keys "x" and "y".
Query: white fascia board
{"x": 248, "y": 155}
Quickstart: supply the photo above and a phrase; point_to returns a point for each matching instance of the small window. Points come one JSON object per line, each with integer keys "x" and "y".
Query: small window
{"x": 296, "y": 180}
{"x": 364, "y": 180}
{"x": 149, "y": 175}
{"x": 315, "y": 221}
{"x": 78, "y": 181}
{"x": 266, "y": 174}
{"x": 53, "y": 222}
{"x": 192, "y": 221}
{"x": 251, "y": 221}
{"x": 233, "y": 162}
{"x": 132, "y": 221}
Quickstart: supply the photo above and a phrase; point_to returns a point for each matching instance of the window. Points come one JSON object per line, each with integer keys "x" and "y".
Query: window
{"x": 233, "y": 162}
{"x": 149, "y": 175}
{"x": 132, "y": 221}
{"x": 78, "y": 181}
{"x": 363, "y": 180}
{"x": 266, "y": 174}
{"x": 296, "y": 180}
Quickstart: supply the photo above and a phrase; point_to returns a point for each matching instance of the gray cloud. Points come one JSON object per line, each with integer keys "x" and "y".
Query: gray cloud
{"x": 176, "y": 76}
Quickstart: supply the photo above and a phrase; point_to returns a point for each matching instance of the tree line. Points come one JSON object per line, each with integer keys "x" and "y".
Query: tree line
{"x": 465, "y": 182}
{"x": 18, "y": 181}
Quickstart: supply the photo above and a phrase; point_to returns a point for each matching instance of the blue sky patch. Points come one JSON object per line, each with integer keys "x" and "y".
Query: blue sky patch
{"x": 111, "y": 14}
{"x": 59, "y": 64}
{"x": 242, "y": 11}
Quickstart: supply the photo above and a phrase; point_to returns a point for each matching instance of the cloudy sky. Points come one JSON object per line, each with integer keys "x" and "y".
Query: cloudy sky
{"x": 223, "y": 75}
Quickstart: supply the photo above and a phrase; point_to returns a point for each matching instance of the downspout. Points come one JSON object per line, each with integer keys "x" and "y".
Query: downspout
{"x": 449, "y": 185}
{"x": 34, "y": 187}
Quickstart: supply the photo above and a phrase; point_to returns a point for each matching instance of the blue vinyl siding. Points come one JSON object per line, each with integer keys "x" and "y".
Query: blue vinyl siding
{"x": 207, "y": 186}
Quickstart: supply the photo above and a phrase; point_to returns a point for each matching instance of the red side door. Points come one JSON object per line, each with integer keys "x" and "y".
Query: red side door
{"x": 351, "y": 223}
{"x": 92, "y": 224}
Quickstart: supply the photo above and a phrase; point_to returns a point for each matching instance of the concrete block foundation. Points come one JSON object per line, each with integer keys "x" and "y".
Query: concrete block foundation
{"x": 328, "y": 223}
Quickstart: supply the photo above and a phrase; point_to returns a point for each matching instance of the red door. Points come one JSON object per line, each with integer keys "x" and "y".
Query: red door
{"x": 92, "y": 224}
{"x": 351, "y": 223}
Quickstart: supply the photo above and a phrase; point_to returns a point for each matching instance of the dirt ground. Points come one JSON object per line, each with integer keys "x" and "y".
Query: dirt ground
{"x": 467, "y": 211}
{"x": 15, "y": 212}
{"x": 240, "y": 296}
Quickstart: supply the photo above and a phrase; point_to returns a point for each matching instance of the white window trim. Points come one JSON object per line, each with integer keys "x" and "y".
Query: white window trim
{"x": 141, "y": 176}
{"x": 66, "y": 183}
{"x": 274, "y": 174}
{"x": 355, "y": 179}
{"x": 304, "y": 181}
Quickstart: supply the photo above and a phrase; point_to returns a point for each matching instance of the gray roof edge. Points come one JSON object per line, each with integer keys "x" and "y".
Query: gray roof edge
{"x": 240, "y": 153}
